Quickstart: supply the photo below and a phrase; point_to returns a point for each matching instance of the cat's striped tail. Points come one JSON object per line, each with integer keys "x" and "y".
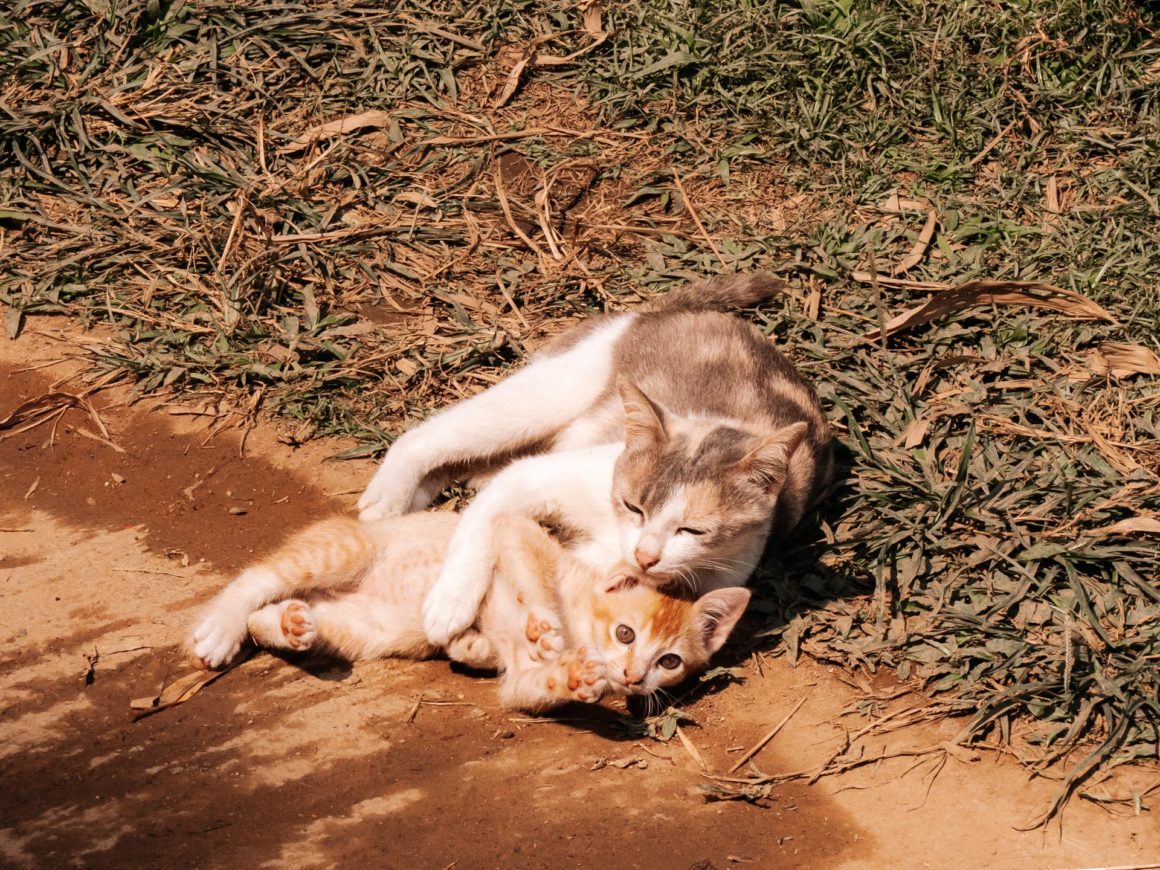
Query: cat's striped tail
{"x": 720, "y": 293}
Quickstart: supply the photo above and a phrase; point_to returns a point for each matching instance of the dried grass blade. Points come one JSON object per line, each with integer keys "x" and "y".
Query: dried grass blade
{"x": 760, "y": 744}
{"x": 918, "y": 251}
{"x": 975, "y": 293}
{"x": 1122, "y": 360}
{"x": 348, "y": 124}
{"x": 1146, "y": 525}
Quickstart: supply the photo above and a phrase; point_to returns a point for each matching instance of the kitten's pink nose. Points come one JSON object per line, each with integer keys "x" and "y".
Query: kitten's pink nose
{"x": 632, "y": 678}
{"x": 646, "y": 558}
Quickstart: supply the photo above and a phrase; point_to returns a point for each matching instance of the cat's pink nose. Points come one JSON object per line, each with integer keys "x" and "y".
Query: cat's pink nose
{"x": 632, "y": 678}
{"x": 645, "y": 558}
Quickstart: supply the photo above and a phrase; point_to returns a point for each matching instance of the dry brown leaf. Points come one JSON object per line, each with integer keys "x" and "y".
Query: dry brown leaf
{"x": 995, "y": 293}
{"x": 1116, "y": 457}
{"x": 592, "y": 18}
{"x": 349, "y": 124}
{"x": 894, "y": 204}
{"x": 182, "y": 689}
{"x": 914, "y": 433}
{"x": 1123, "y": 360}
{"x": 1147, "y": 525}
{"x": 918, "y": 250}
{"x": 513, "y": 81}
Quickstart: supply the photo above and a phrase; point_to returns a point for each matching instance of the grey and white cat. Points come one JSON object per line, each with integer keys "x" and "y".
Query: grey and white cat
{"x": 675, "y": 437}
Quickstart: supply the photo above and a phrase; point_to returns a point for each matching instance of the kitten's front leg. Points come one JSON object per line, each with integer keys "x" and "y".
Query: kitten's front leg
{"x": 577, "y": 675}
{"x": 545, "y": 635}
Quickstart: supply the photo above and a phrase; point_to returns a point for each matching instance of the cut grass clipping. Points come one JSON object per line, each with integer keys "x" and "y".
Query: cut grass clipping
{"x": 354, "y": 215}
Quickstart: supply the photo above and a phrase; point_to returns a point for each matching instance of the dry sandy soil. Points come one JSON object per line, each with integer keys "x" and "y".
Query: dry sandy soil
{"x": 105, "y": 557}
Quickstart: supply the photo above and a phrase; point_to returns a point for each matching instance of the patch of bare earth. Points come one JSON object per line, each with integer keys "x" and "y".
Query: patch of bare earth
{"x": 105, "y": 557}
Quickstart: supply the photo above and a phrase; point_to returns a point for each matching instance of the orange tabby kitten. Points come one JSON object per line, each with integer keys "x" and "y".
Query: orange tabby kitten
{"x": 548, "y": 623}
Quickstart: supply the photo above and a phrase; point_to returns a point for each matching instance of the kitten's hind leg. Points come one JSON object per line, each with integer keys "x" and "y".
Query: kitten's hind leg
{"x": 285, "y": 625}
{"x": 359, "y": 626}
{"x": 332, "y": 553}
{"x": 524, "y": 408}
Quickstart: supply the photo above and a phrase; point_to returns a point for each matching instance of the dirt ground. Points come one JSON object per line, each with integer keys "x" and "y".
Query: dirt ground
{"x": 105, "y": 558}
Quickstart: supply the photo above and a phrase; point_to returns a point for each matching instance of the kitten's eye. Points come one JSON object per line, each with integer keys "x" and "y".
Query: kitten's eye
{"x": 669, "y": 662}
{"x": 689, "y": 531}
{"x": 631, "y": 508}
{"x": 624, "y": 634}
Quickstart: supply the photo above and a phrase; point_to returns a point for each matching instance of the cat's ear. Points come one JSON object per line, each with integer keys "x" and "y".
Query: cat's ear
{"x": 717, "y": 613}
{"x": 644, "y": 419}
{"x": 768, "y": 463}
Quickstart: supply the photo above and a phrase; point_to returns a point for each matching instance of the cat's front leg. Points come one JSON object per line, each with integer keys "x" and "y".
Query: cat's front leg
{"x": 577, "y": 675}
{"x": 525, "y": 408}
{"x": 570, "y": 483}
{"x": 398, "y": 479}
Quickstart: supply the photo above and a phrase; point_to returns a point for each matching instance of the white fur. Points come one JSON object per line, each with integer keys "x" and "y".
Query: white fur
{"x": 529, "y": 405}
{"x": 222, "y": 629}
{"x": 572, "y": 485}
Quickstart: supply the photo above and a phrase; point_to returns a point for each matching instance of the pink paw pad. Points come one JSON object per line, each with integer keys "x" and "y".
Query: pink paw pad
{"x": 298, "y": 625}
{"x": 586, "y": 676}
{"x": 545, "y": 636}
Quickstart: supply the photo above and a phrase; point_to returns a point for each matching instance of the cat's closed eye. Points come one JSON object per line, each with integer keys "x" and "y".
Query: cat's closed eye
{"x": 631, "y": 508}
{"x": 669, "y": 661}
{"x": 689, "y": 530}
{"x": 625, "y": 635}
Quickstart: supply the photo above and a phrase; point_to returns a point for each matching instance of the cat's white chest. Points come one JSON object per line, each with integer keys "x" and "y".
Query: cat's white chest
{"x": 602, "y": 551}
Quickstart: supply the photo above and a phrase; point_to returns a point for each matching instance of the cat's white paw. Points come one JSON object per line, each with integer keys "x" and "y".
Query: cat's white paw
{"x": 378, "y": 503}
{"x": 545, "y": 635}
{"x": 447, "y": 612}
{"x": 394, "y": 485}
{"x": 219, "y": 636}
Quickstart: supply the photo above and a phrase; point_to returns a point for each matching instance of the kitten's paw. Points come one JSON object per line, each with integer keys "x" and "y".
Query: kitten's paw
{"x": 474, "y": 650}
{"x": 297, "y": 625}
{"x": 586, "y": 675}
{"x": 545, "y": 635}
{"x": 219, "y": 636}
{"x": 447, "y": 613}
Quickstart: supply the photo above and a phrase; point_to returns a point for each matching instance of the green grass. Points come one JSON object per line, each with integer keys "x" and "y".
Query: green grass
{"x": 155, "y": 184}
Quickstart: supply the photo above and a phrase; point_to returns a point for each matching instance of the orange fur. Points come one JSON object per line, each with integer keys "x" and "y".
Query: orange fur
{"x": 548, "y": 623}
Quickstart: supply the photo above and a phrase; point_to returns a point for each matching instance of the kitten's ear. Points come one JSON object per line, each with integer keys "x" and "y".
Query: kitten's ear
{"x": 621, "y": 582}
{"x": 644, "y": 419}
{"x": 768, "y": 463}
{"x": 718, "y": 612}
